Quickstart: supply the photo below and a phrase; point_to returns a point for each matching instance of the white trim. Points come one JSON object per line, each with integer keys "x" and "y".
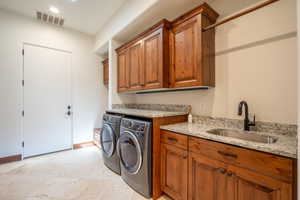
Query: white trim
{"x": 47, "y": 47}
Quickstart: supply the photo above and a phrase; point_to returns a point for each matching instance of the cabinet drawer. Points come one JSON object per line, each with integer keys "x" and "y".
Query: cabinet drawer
{"x": 264, "y": 163}
{"x": 175, "y": 139}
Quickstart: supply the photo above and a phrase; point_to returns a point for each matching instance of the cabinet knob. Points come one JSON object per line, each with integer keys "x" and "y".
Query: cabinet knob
{"x": 222, "y": 170}
{"x": 230, "y": 173}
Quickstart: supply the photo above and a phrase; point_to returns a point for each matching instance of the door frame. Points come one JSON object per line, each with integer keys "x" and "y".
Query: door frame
{"x": 22, "y": 92}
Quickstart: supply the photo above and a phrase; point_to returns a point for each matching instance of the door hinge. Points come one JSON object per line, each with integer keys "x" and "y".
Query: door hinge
{"x": 23, "y": 113}
{"x": 23, "y": 52}
{"x": 23, "y": 82}
{"x": 23, "y": 144}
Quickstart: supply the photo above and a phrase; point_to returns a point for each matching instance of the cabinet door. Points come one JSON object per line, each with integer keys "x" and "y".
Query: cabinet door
{"x": 122, "y": 71}
{"x": 208, "y": 179}
{"x": 174, "y": 166}
{"x": 135, "y": 67}
{"x": 105, "y": 72}
{"x": 153, "y": 60}
{"x": 253, "y": 186}
{"x": 186, "y": 54}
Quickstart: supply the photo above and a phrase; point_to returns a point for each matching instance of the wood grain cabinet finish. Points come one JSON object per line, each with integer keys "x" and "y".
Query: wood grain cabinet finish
{"x": 250, "y": 185}
{"x": 156, "y": 59}
{"x": 174, "y": 54}
{"x": 147, "y": 59}
{"x": 105, "y": 71}
{"x": 135, "y": 67}
{"x": 219, "y": 171}
{"x": 192, "y": 50}
{"x": 123, "y": 75}
{"x": 208, "y": 179}
{"x": 174, "y": 166}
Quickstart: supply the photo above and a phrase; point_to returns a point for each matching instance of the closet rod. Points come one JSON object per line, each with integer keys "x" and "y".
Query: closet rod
{"x": 240, "y": 14}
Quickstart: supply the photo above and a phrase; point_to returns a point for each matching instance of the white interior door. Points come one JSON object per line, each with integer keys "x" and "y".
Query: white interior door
{"x": 47, "y": 95}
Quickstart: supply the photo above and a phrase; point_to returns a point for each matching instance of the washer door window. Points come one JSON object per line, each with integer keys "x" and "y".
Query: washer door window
{"x": 130, "y": 152}
{"x": 108, "y": 140}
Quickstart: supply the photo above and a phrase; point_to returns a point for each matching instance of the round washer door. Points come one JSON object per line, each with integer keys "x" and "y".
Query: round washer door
{"x": 130, "y": 152}
{"x": 108, "y": 140}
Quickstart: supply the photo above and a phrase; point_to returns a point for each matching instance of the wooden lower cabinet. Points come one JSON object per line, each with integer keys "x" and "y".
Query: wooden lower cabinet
{"x": 174, "y": 166}
{"x": 208, "y": 179}
{"x": 200, "y": 176}
{"x": 254, "y": 186}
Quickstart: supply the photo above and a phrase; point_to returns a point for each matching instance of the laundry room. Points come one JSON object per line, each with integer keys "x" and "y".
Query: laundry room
{"x": 149, "y": 99}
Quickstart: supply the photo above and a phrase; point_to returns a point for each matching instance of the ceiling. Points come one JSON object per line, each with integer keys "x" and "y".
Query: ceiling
{"x": 170, "y": 9}
{"x": 86, "y": 16}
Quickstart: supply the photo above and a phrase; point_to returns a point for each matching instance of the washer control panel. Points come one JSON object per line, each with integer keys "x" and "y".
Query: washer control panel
{"x": 133, "y": 125}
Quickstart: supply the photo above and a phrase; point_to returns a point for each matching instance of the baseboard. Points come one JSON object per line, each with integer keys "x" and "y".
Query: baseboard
{"x": 11, "y": 159}
{"x": 84, "y": 144}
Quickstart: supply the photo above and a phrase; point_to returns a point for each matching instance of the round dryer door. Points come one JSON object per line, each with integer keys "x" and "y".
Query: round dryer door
{"x": 130, "y": 152}
{"x": 108, "y": 140}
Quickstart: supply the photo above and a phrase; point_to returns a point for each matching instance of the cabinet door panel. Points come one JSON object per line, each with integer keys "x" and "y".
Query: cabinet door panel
{"x": 254, "y": 186}
{"x": 185, "y": 46}
{"x": 207, "y": 179}
{"x": 105, "y": 72}
{"x": 174, "y": 166}
{"x": 122, "y": 72}
{"x": 153, "y": 61}
{"x": 136, "y": 76}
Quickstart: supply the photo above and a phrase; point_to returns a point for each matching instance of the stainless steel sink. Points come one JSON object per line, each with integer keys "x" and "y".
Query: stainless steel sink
{"x": 251, "y": 136}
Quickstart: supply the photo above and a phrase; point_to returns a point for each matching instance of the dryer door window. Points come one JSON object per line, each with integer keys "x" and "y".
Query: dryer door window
{"x": 130, "y": 152}
{"x": 108, "y": 140}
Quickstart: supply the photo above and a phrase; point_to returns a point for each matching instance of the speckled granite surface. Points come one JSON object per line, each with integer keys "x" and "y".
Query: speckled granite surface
{"x": 160, "y": 107}
{"x": 150, "y": 110}
{"x": 145, "y": 113}
{"x": 286, "y": 145}
{"x": 270, "y": 127}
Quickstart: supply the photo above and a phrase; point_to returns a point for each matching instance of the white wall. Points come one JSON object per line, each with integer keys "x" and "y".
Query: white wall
{"x": 89, "y": 95}
{"x": 256, "y": 61}
{"x": 130, "y": 10}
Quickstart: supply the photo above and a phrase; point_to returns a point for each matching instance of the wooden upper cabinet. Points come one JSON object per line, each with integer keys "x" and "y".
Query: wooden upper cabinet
{"x": 156, "y": 59}
{"x": 135, "y": 67}
{"x": 123, "y": 84}
{"x": 105, "y": 71}
{"x": 173, "y": 54}
{"x": 147, "y": 59}
{"x": 192, "y": 50}
{"x": 184, "y": 48}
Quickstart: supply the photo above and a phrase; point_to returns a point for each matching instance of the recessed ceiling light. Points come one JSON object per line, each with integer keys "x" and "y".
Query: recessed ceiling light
{"x": 54, "y": 10}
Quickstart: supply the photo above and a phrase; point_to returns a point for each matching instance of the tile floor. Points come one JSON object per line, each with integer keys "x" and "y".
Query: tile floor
{"x": 68, "y": 175}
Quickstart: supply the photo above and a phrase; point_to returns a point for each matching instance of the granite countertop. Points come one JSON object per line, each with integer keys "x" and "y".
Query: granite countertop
{"x": 145, "y": 113}
{"x": 284, "y": 146}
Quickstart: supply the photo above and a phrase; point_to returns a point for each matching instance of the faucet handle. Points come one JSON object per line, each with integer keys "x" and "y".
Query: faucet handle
{"x": 252, "y": 123}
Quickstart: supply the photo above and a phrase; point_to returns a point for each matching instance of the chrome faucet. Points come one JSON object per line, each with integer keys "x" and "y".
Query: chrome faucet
{"x": 247, "y": 122}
